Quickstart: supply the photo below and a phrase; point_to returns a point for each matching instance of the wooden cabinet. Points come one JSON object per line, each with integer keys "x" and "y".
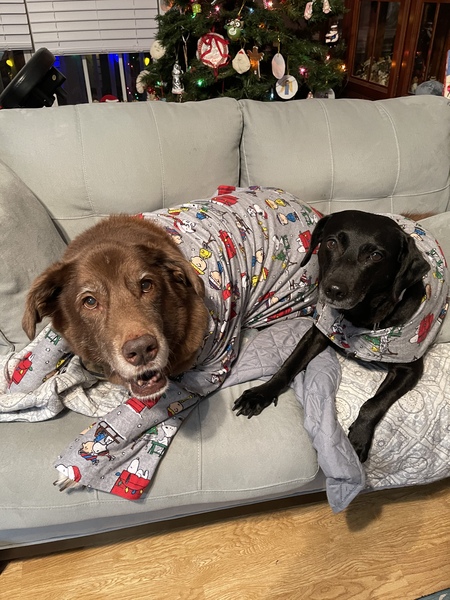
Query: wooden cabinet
{"x": 393, "y": 46}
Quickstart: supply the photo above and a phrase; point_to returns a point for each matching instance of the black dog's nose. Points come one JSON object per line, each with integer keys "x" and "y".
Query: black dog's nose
{"x": 336, "y": 292}
{"x": 141, "y": 350}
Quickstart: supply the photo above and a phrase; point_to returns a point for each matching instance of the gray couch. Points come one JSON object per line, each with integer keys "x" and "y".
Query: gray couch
{"x": 63, "y": 168}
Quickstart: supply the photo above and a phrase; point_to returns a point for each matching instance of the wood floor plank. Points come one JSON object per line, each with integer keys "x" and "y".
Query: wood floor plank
{"x": 390, "y": 545}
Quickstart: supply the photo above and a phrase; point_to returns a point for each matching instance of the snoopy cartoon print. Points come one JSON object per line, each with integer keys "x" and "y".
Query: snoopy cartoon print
{"x": 99, "y": 446}
{"x": 131, "y": 482}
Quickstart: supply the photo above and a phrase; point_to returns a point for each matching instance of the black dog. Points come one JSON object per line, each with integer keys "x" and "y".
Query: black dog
{"x": 372, "y": 273}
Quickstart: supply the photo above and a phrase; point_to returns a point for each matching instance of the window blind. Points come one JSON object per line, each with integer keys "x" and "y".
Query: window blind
{"x": 93, "y": 26}
{"x": 14, "y": 30}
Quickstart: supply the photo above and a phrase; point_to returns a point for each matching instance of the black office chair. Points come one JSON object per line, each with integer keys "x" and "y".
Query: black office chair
{"x": 35, "y": 85}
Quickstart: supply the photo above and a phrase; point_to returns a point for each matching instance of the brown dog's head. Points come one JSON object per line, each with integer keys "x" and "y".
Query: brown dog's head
{"x": 365, "y": 260}
{"x": 127, "y": 301}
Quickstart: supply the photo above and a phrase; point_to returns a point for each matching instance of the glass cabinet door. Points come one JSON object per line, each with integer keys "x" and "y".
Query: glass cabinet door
{"x": 377, "y": 29}
{"x": 433, "y": 42}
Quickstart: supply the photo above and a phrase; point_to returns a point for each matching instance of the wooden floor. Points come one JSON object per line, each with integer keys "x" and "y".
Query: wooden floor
{"x": 388, "y": 545}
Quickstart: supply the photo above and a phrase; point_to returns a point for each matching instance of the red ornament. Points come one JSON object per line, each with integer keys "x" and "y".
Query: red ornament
{"x": 212, "y": 50}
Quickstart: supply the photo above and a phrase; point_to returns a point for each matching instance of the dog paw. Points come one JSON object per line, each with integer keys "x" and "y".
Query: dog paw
{"x": 253, "y": 402}
{"x": 361, "y": 440}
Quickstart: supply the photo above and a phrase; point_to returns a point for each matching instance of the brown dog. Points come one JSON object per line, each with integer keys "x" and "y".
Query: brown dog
{"x": 127, "y": 301}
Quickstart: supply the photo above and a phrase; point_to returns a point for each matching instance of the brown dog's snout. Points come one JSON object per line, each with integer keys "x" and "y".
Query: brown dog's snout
{"x": 139, "y": 351}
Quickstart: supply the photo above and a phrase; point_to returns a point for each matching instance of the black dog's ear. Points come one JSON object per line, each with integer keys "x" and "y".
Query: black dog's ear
{"x": 413, "y": 266}
{"x": 316, "y": 238}
{"x": 42, "y": 299}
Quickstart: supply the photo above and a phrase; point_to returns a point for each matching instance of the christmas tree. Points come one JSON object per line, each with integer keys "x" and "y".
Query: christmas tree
{"x": 259, "y": 49}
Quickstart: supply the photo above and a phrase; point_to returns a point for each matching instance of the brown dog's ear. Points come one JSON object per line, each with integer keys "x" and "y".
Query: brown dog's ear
{"x": 316, "y": 238}
{"x": 413, "y": 266}
{"x": 42, "y": 297}
{"x": 185, "y": 273}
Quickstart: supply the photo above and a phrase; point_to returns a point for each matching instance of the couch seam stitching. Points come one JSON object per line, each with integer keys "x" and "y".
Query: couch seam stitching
{"x": 242, "y": 145}
{"x": 327, "y": 120}
{"x": 158, "y": 133}
{"x": 83, "y": 159}
{"x": 380, "y": 109}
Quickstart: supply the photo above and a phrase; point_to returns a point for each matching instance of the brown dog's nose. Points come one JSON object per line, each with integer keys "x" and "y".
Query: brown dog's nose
{"x": 141, "y": 350}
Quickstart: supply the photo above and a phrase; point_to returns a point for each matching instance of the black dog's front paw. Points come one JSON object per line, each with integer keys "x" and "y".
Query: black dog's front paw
{"x": 360, "y": 437}
{"x": 254, "y": 401}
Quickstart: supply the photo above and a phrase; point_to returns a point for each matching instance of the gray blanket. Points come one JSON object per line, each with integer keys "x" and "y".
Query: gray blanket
{"x": 261, "y": 354}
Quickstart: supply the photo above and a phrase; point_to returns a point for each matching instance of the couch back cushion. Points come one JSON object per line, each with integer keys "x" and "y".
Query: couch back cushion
{"x": 87, "y": 161}
{"x": 385, "y": 156}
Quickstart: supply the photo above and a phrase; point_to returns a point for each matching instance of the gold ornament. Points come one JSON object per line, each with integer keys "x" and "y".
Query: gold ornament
{"x": 255, "y": 58}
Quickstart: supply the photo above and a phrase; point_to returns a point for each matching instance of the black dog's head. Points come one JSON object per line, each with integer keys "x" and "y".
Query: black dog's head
{"x": 365, "y": 261}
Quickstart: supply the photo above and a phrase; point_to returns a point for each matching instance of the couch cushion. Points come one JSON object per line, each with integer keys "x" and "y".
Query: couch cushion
{"x": 385, "y": 156}
{"x": 90, "y": 160}
{"x": 216, "y": 460}
{"x": 29, "y": 242}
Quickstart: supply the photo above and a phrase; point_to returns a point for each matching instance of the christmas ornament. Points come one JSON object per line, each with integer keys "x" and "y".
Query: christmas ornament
{"x": 196, "y": 8}
{"x": 241, "y": 62}
{"x": 177, "y": 85}
{"x": 331, "y": 38}
{"x": 212, "y": 50}
{"x": 140, "y": 85}
{"x": 326, "y": 94}
{"x": 157, "y": 50}
{"x": 278, "y": 66}
{"x": 165, "y": 5}
{"x": 234, "y": 28}
{"x": 255, "y": 58}
{"x": 185, "y": 49}
{"x": 286, "y": 87}
{"x": 109, "y": 98}
{"x": 308, "y": 10}
{"x": 326, "y": 8}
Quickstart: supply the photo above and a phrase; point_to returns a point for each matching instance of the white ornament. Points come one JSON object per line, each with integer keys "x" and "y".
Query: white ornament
{"x": 332, "y": 36}
{"x": 157, "y": 50}
{"x": 241, "y": 62}
{"x": 140, "y": 88}
{"x": 177, "y": 85}
{"x": 212, "y": 50}
{"x": 308, "y": 10}
{"x": 278, "y": 66}
{"x": 286, "y": 87}
{"x": 326, "y": 8}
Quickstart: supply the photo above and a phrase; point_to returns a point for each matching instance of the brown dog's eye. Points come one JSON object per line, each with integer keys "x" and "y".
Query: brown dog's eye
{"x": 376, "y": 256}
{"x": 146, "y": 285}
{"x": 90, "y": 302}
{"x": 331, "y": 244}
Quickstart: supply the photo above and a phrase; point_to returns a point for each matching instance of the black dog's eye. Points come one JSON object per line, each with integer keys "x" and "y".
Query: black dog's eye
{"x": 331, "y": 244}
{"x": 146, "y": 285}
{"x": 376, "y": 256}
{"x": 90, "y": 302}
